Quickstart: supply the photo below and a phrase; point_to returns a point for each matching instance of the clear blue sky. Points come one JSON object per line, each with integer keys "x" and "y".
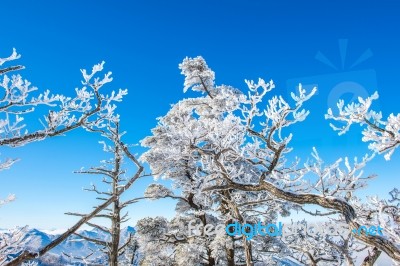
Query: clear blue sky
{"x": 143, "y": 42}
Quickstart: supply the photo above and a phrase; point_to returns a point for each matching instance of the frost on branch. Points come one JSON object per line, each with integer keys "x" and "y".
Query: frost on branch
{"x": 165, "y": 242}
{"x": 197, "y": 75}
{"x": 16, "y": 100}
{"x": 157, "y": 191}
{"x": 384, "y": 136}
{"x": 97, "y": 82}
{"x": 339, "y": 179}
{"x": 30, "y": 263}
{"x": 9, "y": 198}
{"x": 12, "y": 57}
{"x": 384, "y": 212}
{"x": 88, "y": 107}
{"x": 7, "y": 164}
{"x": 324, "y": 243}
{"x": 150, "y": 229}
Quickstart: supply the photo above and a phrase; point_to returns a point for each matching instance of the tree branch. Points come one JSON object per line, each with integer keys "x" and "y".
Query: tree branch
{"x": 26, "y": 255}
{"x": 327, "y": 202}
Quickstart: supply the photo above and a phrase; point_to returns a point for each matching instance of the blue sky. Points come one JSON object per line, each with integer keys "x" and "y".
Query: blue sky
{"x": 143, "y": 42}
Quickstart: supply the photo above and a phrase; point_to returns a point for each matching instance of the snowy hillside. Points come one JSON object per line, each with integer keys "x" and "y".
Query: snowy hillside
{"x": 74, "y": 246}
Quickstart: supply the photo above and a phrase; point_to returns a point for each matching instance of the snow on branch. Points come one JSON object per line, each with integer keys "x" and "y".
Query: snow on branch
{"x": 197, "y": 75}
{"x": 9, "y": 198}
{"x": 384, "y": 136}
{"x": 13, "y": 56}
{"x": 339, "y": 179}
{"x": 88, "y": 107}
{"x": 157, "y": 191}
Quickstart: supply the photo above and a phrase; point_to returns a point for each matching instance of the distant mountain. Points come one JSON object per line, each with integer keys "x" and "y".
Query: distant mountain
{"x": 35, "y": 239}
{"x": 74, "y": 246}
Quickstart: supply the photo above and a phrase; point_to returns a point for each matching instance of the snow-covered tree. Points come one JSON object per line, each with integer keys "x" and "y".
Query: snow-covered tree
{"x": 183, "y": 149}
{"x": 115, "y": 181}
{"x": 90, "y": 109}
{"x": 230, "y": 150}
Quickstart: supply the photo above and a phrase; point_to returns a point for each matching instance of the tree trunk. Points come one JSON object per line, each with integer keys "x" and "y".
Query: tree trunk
{"x": 211, "y": 259}
{"x": 115, "y": 235}
{"x": 116, "y": 217}
{"x": 234, "y": 210}
{"x": 230, "y": 256}
{"x": 247, "y": 252}
{"x": 372, "y": 257}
